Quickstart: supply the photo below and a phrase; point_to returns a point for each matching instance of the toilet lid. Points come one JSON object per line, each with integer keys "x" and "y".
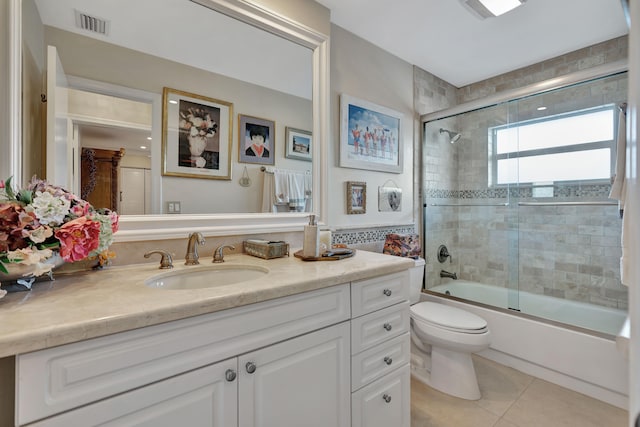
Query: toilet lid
{"x": 448, "y": 317}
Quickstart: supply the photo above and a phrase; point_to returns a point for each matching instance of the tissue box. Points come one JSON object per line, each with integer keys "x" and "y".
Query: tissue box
{"x": 406, "y": 245}
{"x": 266, "y": 249}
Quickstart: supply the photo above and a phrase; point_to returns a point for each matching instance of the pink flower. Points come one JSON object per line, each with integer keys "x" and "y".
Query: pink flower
{"x": 1, "y": 184}
{"x": 77, "y": 238}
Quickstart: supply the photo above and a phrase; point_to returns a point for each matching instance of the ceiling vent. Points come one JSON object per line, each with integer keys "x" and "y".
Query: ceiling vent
{"x": 92, "y": 23}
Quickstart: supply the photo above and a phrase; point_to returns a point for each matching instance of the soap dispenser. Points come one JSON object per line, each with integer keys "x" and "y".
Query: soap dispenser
{"x": 311, "y": 244}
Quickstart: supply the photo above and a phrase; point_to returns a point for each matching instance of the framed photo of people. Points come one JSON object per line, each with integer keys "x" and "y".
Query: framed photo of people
{"x": 256, "y": 140}
{"x": 370, "y": 136}
{"x": 298, "y": 144}
{"x": 196, "y": 135}
{"x": 356, "y": 197}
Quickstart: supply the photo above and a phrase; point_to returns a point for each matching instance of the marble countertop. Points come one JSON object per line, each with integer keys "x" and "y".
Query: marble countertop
{"x": 90, "y": 304}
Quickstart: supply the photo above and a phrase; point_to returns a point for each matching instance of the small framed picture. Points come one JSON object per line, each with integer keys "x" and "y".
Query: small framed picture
{"x": 356, "y": 197}
{"x": 196, "y": 135}
{"x": 256, "y": 140}
{"x": 298, "y": 144}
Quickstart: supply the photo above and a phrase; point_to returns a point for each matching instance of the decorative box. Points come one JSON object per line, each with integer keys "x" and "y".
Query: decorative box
{"x": 266, "y": 249}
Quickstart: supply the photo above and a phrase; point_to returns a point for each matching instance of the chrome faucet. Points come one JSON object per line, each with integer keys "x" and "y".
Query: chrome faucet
{"x": 444, "y": 273}
{"x": 218, "y": 254}
{"x": 195, "y": 239}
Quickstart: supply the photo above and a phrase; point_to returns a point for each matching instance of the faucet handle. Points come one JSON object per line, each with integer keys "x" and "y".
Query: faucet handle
{"x": 218, "y": 254}
{"x": 165, "y": 262}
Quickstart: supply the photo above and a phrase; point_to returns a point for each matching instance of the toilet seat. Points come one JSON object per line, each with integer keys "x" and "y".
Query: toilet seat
{"x": 449, "y": 318}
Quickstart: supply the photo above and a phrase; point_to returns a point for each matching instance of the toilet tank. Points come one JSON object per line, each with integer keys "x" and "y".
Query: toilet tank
{"x": 416, "y": 274}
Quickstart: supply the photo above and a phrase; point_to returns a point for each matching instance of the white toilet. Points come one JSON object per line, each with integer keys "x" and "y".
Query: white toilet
{"x": 443, "y": 339}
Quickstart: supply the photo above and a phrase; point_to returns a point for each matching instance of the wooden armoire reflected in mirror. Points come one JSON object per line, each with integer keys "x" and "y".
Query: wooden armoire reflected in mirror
{"x": 99, "y": 173}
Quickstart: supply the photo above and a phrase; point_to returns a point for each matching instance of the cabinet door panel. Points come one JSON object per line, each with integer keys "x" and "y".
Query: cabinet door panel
{"x": 200, "y": 398}
{"x": 300, "y": 382}
{"x": 385, "y": 402}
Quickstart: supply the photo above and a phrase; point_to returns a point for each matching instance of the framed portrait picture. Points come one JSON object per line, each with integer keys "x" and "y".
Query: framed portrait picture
{"x": 356, "y": 197}
{"x": 196, "y": 135}
{"x": 370, "y": 136}
{"x": 256, "y": 140}
{"x": 298, "y": 144}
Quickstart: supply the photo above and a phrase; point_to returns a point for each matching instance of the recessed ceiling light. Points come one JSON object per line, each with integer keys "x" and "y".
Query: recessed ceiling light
{"x": 149, "y": 138}
{"x": 491, "y": 8}
{"x": 143, "y": 147}
{"x": 173, "y": 101}
{"x": 541, "y": 108}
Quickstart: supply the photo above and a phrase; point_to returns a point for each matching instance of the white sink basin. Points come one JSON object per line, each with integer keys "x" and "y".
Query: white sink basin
{"x": 206, "y": 276}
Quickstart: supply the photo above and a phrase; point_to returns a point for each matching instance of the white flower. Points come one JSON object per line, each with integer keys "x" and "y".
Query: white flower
{"x": 2, "y": 293}
{"x": 38, "y": 235}
{"x": 29, "y": 256}
{"x": 48, "y": 208}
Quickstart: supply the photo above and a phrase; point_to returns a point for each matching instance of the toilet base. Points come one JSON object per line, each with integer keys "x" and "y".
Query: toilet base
{"x": 450, "y": 372}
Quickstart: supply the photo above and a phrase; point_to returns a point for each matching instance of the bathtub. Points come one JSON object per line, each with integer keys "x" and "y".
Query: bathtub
{"x": 574, "y": 357}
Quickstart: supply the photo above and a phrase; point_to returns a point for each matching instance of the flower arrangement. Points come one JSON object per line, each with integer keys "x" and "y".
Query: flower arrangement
{"x": 198, "y": 122}
{"x": 41, "y": 220}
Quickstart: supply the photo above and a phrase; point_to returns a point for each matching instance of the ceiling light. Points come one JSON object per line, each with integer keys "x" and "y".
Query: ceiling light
{"x": 173, "y": 101}
{"x": 491, "y": 8}
{"x": 541, "y": 108}
{"x": 143, "y": 147}
{"x": 149, "y": 138}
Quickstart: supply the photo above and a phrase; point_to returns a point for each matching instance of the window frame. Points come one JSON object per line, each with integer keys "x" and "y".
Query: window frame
{"x": 493, "y": 158}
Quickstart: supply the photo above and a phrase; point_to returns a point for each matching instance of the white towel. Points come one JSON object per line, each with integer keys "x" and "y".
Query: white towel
{"x": 296, "y": 192}
{"x": 268, "y": 193}
{"x": 288, "y": 189}
{"x": 619, "y": 186}
{"x": 619, "y": 189}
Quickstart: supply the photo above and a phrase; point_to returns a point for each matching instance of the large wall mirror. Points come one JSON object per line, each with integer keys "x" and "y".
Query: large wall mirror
{"x": 255, "y": 65}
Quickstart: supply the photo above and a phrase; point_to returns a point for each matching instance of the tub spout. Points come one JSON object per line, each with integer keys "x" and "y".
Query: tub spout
{"x": 444, "y": 273}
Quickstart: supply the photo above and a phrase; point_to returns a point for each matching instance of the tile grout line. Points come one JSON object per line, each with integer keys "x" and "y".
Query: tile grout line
{"x": 514, "y": 402}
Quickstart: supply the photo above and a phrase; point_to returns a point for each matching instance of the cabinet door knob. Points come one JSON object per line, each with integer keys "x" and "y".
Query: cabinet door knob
{"x": 388, "y": 360}
{"x": 387, "y": 292}
{"x": 251, "y": 367}
{"x": 387, "y": 326}
{"x": 386, "y": 398}
{"x": 230, "y": 375}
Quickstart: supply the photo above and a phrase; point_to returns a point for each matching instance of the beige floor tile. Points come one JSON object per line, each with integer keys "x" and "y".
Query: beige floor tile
{"x": 500, "y": 385}
{"x": 502, "y": 423}
{"x": 549, "y": 405}
{"x": 430, "y": 408}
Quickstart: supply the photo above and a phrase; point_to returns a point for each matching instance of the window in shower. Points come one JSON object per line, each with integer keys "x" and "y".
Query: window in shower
{"x": 576, "y": 146}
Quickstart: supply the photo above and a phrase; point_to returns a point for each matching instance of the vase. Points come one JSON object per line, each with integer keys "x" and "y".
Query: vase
{"x": 196, "y": 148}
{"x": 21, "y": 272}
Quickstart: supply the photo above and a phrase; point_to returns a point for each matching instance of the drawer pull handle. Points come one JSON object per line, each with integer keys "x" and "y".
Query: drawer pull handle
{"x": 386, "y": 398}
{"x": 387, "y": 292}
{"x": 387, "y": 326}
{"x": 251, "y": 367}
{"x": 230, "y": 375}
{"x": 388, "y": 360}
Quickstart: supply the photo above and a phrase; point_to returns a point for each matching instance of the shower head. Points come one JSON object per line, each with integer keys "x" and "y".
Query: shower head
{"x": 453, "y": 136}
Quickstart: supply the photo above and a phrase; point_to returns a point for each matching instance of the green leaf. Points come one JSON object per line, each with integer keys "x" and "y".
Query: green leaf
{"x": 8, "y": 189}
{"x": 3, "y": 269}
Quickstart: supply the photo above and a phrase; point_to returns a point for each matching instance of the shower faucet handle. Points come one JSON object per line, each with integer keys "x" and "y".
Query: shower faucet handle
{"x": 443, "y": 253}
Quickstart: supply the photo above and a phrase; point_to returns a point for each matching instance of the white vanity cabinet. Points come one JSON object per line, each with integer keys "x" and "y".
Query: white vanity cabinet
{"x": 194, "y": 372}
{"x": 380, "y": 351}
{"x": 332, "y": 357}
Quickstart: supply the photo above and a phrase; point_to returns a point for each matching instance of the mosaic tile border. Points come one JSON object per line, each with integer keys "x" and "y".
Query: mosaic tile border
{"x": 369, "y": 235}
{"x": 560, "y": 191}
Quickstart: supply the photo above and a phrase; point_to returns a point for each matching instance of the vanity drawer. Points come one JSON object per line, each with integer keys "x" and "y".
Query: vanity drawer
{"x": 380, "y": 292}
{"x": 60, "y": 378}
{"x": 383, "y": 403}
{"x": 372, "y": 364}
{"x": 379, "y": 326}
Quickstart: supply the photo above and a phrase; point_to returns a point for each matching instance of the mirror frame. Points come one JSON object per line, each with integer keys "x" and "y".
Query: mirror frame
{"x": 158, "y": 227}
